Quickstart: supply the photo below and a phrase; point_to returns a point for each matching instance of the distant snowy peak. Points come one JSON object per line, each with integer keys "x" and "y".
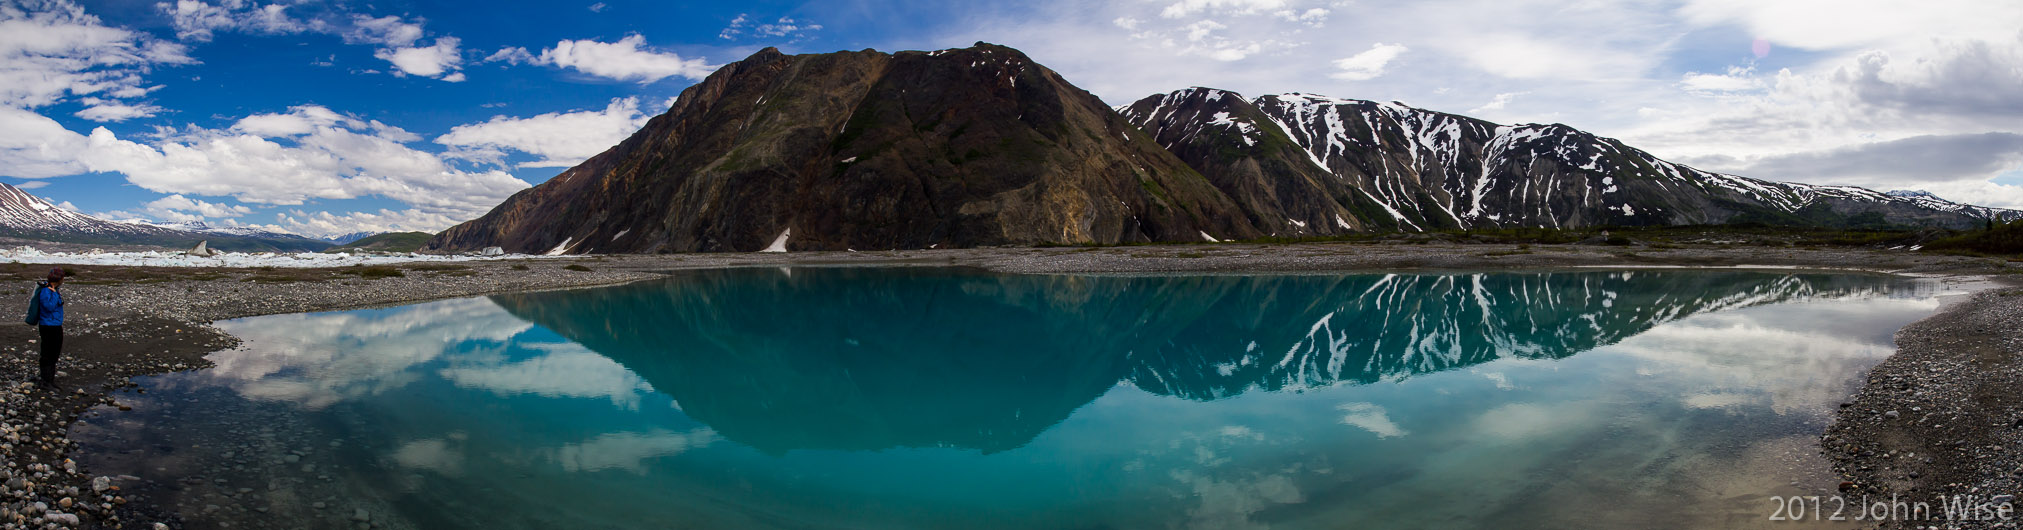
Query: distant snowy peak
{"x": 205, "y": 228}
{"x": 346, "y": 239}
{"x": 1415, "y": 169}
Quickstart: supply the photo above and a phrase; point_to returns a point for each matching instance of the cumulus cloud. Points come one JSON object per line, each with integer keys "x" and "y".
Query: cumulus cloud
{"x": 180, "y": 209}
{"x": 625, "y": 60}
{"x": 435, "y": 60}
{"x": 308, "y": 153}
{"x": 1368, "y": 64}
{"x": 561, "y": 139}
{"x": 325, "y": 223}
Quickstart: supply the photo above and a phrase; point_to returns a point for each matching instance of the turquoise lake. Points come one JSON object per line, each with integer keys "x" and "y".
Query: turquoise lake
{"x": 948, "y": 398}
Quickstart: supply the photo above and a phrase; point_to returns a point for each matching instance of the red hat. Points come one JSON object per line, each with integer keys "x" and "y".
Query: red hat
{"x": 56, "y": 275}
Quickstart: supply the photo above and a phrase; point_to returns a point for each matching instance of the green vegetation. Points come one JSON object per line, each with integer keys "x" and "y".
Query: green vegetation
{"x": 387, "y": 242}
{"x": 1995, "y": 240}
{"x": 576, "y": 267}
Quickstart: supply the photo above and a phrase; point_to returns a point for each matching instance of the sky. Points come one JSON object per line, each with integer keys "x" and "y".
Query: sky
{"x": 323, "y": 118}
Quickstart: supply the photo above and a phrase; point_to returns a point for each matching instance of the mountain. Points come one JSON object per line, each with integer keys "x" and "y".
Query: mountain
{"x": 205, "y": 228}
{"x": 26, "y": 216}
{"x": 981, "y": 146}
{"x": 867, "y": 150}
{"x": 1313, "y": 165}
{"x": 387, "y": 242}
{"x": 346, "y": 239}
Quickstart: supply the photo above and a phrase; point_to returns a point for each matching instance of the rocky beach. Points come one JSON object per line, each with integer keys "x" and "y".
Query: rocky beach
{"x": 1937, "y": 418}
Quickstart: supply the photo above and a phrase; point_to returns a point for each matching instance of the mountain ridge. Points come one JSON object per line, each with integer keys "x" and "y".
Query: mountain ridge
{"x": 982, "y": 146}
{"x": 963, "y": 147}
{"x": 1429, "y": 170}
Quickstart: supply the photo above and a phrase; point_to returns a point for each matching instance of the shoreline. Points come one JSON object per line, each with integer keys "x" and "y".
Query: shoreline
{"x": 129, "y": 321}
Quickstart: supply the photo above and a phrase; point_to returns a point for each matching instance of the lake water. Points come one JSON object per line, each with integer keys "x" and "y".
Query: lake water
{"x": 943, "y": 398}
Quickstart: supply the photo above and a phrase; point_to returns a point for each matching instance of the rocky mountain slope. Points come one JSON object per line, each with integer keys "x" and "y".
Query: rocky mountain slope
{"x": 867, "y": 150}
{"x": 981, "y": 146}
{"x": 25, "y": 216}
{"x": 1313, "y": 165}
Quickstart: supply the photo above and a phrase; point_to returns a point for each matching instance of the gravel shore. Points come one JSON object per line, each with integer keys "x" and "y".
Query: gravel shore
{"x": 1941, "y": 421}
{"x": 1956, "y": 370}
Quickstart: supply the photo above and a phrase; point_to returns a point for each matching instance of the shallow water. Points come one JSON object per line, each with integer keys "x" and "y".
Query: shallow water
{"x": 926, "y": 398}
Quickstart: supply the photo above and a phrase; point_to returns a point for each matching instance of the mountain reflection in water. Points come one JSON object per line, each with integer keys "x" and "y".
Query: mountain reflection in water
{"x": 865, "y": 359}
{"x": 950, "y": 398}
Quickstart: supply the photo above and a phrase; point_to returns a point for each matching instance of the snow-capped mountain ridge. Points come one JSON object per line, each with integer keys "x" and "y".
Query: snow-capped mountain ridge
{"x": 1420, "y": 170}
{"x": 205, "y": 228}
{"x": 24, "y": 212}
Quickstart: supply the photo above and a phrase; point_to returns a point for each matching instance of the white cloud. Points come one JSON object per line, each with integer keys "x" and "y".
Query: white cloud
{"x": 1237, "y": 7}
{"x": 325, "y": 223}
{"x": 629, "y": 450}
{"x": 1368, "y": 64}
{"x": 115, "y": 111}
{"x": 783, "y": 27}
{"x": 560, "y": 139}
{"x": 598, "y": 7}
{"x": 511, "y": 55}
{"x": 33, "y": 184}
{"x": 308, "y": 153}
{"x": 56, "y": 50}
{"x": 624, "y": 60}
{"x": 388, "y": 31}
{"x": 180, "y": 209}
{"x": 431, "y": 61}
{"x": 1370, "y": 417}
{"x": 1497, "y": 102}
{"x": 1845, "y": 24}
{"x": 565, "y": 370}
{"x": 197, "y": 20}
{"x": 1736, "y": 80}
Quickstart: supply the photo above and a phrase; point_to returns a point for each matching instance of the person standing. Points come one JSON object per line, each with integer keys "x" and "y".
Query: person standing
{"x": 49, "y": 321}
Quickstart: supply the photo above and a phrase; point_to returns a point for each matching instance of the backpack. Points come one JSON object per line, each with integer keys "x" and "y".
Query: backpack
{"x": 34, "y": 306}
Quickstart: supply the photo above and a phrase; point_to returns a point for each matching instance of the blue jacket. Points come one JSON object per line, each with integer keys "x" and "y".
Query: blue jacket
{"x": 52, "y": 306}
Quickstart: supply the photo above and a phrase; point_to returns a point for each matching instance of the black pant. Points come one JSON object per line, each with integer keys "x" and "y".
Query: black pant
{"x": 52, "y": 346}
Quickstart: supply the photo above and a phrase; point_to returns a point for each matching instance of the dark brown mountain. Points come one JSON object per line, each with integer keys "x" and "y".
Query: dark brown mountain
{"x": 867, "y": 150}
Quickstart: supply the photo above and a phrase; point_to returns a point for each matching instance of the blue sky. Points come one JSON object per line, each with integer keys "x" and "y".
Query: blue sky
{"x": 329, "y": 117}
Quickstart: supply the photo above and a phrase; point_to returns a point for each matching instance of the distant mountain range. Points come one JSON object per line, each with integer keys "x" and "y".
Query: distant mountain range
{"x": 1313, "y": 165}
{"x": 26, "y": 216}
{"x": 347, "y": 239}
{"x": 982, "y": 146}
